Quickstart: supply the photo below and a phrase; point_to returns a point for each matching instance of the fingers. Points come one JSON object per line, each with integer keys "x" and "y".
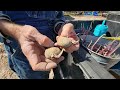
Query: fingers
{"x": 68, "y": 31}
{"x": 57, "y": 37}
{"x": 66, "y": 28}
{"x": 74, "y": 36}
{"x": 44, "y": 66}
{"x": 56, "y": 60}
{"x": 44, "y": 40}
{"x": 60, "y": 59}
{"x": 53, "y": 63}
{"x": 39, "y": 63}
{"x": 55, "y": 44}
{"x": 50, "y": 66}
{"x": 72, "y": 48}
{"x": 32, "y": 34}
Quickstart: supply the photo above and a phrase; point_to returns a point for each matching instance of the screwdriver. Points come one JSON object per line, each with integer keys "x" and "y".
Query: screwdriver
{"x": 112, "y": 38}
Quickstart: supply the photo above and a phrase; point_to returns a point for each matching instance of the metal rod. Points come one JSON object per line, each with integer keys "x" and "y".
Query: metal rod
{"x": 89, "y": 44}
{"x": 84, "y": 39}
{"x": 82, "y": 27}
{"x": 105, "y": 53}
{"x": 87, "y": 32}
{"x": 98, "y": 49}
{"x": 114, "y": 49}
{"x": 90, "y": 27}
{"x": 113, "y": 55}
{"x": 97, "y": 41}
{"x": 111, "y": 44}
{"x": 117, "y": 56}
{"x": 61, "y": 73}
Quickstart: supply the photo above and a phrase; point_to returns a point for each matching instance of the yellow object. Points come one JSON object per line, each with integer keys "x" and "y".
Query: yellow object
{"x": 112, "y": 38}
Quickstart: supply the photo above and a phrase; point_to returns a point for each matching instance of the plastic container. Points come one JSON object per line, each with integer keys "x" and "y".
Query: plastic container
{"x": 100, "y": 29}
{"x": 95, "y": 13}
{"x": 88, "y": 13}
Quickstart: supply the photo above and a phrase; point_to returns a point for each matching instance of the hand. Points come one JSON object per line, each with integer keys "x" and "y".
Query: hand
{"x": 68, "y": 31}
{"x": 32, "y": 42}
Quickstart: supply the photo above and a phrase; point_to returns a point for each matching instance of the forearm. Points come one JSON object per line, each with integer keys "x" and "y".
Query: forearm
{"x": 10, "y": 29}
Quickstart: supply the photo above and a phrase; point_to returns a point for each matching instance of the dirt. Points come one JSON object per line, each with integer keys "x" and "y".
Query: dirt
{"x": 5, "y": 71}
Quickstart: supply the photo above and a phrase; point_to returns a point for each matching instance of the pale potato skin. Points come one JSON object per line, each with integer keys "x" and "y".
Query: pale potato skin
{"x": 64, "y": 42}
{"x": 52, "y": 51}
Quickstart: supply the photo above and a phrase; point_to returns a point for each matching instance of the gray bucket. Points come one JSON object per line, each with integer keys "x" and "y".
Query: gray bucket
{"x": 98, "y": 57}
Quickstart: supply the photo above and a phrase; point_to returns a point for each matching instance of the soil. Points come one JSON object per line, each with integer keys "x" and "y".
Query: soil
{"x": 5, "y": 71}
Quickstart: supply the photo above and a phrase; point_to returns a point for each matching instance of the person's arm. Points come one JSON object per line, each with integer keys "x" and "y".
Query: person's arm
{"x": 10, "y": 29}
{"x": 6, "y": 18}
{"x": 32, "y": 44}
{"x": 16, "y": 31}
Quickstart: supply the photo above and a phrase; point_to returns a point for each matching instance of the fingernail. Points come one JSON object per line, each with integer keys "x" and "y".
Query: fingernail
{"x": 55, "y": 44}
{"x": 51, "y": 44}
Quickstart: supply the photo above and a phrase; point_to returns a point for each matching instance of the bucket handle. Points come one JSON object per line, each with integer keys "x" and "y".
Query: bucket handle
{"x": 103, "y": 22}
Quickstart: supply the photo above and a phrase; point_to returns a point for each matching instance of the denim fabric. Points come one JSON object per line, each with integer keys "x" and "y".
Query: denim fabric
{"x": 42, "y": 20}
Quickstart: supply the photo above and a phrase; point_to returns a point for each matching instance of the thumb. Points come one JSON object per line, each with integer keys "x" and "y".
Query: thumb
{"x": 57, "y": 37}
{"x": 67, "y": 29}
{"x": 44, "y": 40}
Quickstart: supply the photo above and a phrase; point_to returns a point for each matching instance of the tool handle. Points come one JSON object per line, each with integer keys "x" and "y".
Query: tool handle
{"x": 103, "y": 23}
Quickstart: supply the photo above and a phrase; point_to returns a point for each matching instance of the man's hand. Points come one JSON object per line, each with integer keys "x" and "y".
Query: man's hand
{"x": 32, "y": 44}
{"x": 68, "y": 31}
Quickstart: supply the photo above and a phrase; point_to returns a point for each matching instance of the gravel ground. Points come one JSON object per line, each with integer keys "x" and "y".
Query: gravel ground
{"x": 5, "y": 71}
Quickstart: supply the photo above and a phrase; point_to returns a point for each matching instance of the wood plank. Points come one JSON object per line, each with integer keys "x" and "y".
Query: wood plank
{"x": 91, "y": 67}
{"x": 85, "y": 18}
{"x": 110, "y": 64}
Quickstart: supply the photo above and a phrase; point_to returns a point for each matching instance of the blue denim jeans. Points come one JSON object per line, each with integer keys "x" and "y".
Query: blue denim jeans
{"x": 42, "y": 20}
{"x": 19, "y": 63}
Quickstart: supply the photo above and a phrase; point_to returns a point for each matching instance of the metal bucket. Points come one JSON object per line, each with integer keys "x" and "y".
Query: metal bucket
{"x": 98, "y": 57}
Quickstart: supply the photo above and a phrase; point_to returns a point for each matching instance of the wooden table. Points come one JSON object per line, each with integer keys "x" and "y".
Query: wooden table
{"x": 85, "y": 18}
